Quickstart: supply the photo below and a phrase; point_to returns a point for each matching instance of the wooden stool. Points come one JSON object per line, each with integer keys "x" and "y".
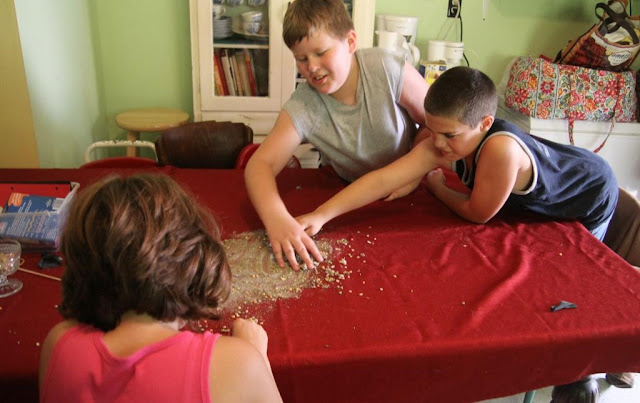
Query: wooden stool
{"x": 149, "y": 120}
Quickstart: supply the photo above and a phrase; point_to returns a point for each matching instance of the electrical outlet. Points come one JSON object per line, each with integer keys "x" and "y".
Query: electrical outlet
{"x": 453, "y": 9}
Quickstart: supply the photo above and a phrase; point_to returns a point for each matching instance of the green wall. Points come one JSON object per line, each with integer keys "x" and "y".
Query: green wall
{"x": 88, "y": 60}
{"x": 512, "y": 27}
{"x": 145, "y": 53}
{"x": 62, "y": 77}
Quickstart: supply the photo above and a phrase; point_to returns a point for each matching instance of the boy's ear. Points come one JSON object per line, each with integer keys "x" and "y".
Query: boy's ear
{"x": 486, "y": 123}
{"x": 352, "y": 40}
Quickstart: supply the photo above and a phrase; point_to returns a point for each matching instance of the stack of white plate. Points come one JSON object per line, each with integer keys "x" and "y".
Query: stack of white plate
{"x": 222, "y": 27}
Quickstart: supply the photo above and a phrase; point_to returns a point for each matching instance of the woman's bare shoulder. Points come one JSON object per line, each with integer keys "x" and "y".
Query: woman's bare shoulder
{"x": 50, "y": 341}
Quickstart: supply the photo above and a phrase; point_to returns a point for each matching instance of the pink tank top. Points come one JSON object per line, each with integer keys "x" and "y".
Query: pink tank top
{"x": 82, "y": 369}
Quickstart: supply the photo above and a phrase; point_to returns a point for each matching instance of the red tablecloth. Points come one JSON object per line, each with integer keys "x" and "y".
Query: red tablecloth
{"x": 442, "y": 309}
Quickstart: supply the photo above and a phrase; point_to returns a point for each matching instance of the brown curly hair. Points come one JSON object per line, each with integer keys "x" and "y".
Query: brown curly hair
{"x": 305, "y": 16}
{"x": 141, "y": 244}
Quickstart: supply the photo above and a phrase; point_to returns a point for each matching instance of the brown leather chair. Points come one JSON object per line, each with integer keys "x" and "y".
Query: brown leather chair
{"x": 623, "y": 234}
{"x": 208, "y": 144}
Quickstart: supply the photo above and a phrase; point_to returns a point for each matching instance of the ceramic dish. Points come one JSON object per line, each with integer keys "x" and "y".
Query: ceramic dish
{"x": 262, "y": 35}
{"x": 259, "y": 36}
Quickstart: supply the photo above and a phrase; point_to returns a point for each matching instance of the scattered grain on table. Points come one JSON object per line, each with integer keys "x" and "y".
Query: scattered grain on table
{"x": 257, "y": 279}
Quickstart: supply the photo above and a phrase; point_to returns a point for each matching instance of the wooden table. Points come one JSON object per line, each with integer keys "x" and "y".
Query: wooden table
{"x": 149, "y": 120}
{"x": 434, "y": 309}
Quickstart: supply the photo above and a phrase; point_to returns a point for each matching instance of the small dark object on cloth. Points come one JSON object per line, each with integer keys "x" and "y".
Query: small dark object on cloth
{"x": 563, "y": 305}
{"x": 49, "y": 261}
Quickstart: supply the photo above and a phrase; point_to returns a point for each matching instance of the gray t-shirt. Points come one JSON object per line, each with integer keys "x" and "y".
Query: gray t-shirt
{"x": 356, "y": 139}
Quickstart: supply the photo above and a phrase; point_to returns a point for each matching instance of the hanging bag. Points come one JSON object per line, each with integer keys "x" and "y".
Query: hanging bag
{"x": 612, "y": 44}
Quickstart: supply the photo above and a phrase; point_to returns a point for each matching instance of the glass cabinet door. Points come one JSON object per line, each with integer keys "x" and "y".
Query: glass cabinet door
{"x": 247, "y": 68}
{"x": 240, "y": 43}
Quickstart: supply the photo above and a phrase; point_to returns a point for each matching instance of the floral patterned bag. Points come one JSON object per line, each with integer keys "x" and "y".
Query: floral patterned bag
{"x": 545, "y": 90}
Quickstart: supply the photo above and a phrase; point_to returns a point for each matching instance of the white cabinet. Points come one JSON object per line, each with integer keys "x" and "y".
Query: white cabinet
{"x": 257, "y": 104}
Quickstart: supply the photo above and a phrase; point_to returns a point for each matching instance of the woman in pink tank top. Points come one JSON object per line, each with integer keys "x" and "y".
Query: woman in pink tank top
{"x": 143, "y": 259}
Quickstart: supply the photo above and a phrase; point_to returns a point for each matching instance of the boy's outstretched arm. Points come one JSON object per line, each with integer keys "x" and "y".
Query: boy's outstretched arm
{"x": 287, "y": 237}
{"x": 411, "y": 186}
{"x": 375, "y": 185}
{"x": 499, "y": 164}
{"x": 414, "y": 90}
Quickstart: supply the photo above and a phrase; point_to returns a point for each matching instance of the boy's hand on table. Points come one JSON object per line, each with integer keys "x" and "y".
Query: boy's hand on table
{"x": 288, "y": 238}
{"x": 311, "y": 223}
{"x": 435, "y": 179}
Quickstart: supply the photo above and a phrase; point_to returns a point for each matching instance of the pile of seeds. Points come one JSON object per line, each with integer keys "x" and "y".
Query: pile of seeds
{"x": 257, "y": 278}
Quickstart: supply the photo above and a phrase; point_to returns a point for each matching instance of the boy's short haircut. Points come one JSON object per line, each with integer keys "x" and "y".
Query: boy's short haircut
{"x": 141, "y": 244}
{"x": 303, "y": 17}
{"x": 464, "y": 94}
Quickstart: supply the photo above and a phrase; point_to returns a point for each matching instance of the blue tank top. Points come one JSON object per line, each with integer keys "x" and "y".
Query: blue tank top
{"x": 568, "y": 182}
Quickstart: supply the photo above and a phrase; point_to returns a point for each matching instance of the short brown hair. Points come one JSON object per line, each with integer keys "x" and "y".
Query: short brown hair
{"x": 464, "y": 94}
{"x": 305, "y": 16}
{"x": 141, "y": 244}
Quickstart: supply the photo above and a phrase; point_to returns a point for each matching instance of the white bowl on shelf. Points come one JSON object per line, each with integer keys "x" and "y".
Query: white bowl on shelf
{"x": 237, "y": 27}
{"x": 251, "y": 16}
{"x": 222, "y": 27}
{"x": 251, "y": 27}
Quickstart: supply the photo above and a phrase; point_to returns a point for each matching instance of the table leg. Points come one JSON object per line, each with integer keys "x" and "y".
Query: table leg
{"x": 528, "y": 397}
{"x": 132, "y": 136}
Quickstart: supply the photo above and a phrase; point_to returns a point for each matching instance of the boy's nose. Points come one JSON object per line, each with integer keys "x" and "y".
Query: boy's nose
{"x": 313, "y": 65}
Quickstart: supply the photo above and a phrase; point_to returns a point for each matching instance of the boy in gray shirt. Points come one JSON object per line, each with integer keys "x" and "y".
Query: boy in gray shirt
{"x": 359, "y": 108}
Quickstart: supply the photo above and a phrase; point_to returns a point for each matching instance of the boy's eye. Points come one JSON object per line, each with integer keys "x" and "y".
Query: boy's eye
{"x": 449, "y": 136}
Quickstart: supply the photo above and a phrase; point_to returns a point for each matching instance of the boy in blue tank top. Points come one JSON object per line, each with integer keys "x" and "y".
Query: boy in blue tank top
{"x": 502, "y": 165}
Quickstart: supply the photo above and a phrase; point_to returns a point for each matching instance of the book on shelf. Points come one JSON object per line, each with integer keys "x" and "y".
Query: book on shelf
{"x": 261, "y": 70}
{"x": 243, "y": 73}
{"x": 226, "y": 66}
{"x": 219, "y": 90}
{"x": 217, "y": 63}
{"x": 250, "y": 72}
{"x": 237, "y": 79}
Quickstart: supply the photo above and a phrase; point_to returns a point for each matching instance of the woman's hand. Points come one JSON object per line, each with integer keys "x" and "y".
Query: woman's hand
{"x": 251, "y": 332}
